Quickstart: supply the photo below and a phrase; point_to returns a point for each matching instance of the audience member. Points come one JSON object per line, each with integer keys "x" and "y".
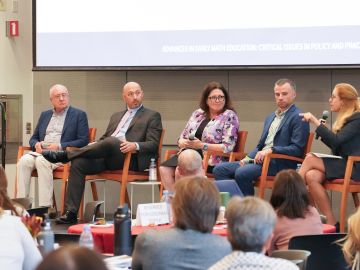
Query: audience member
{"x": 295, "y": 215}
{"x": 190, "y": 243}
{"x": 351, "y": 246}
{"x": 283, "y": 133}
{"x": 17, "y": 249}
{"x": 6, "y": 203}
{"x": 344, "y": 141}
{"x": 135, "y": 128}
{"x": 72, "y": 258}
{"x": 250, "y": 231}
{"x": 58, "y": 128}
{"x": 216, "y": 127}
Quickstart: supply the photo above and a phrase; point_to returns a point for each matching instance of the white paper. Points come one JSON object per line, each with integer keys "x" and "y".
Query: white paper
{"x": 324, "y": 155}
{"x": 35, "y": 154}
{"x": 156, "y": 213}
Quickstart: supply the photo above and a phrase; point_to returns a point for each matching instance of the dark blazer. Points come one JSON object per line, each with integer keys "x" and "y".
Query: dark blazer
{"x": 290, "y": 138}
{"x": 75, "y": 132}
{"x": 144, "y": 129}
{"x": 346, "y": 142}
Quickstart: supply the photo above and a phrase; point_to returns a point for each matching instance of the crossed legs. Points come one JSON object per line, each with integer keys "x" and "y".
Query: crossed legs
{"x": 313, "y": 172}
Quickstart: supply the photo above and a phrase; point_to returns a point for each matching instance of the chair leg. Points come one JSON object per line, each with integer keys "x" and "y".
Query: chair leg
{"x": 95, "y": 195}
{"x": 81, "y": 208}
{"x": 343, "y": 211}
{"x": 15, "y": 195}
{"x": 127, "y": 200}
{"x": 54, "y": 201}
{"x": 355, "y": 199}
{"x": 63, "y": 194}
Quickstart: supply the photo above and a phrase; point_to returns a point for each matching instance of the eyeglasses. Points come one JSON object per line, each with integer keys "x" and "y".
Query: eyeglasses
{"x": 219, "y": 98}
{"x": 333, "y": 97}
{"x": 137, "y": 93}
{"x": 60, "y": 95}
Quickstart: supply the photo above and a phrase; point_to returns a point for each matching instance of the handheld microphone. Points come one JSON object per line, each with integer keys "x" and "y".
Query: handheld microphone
{"x": 192, "y": 135}
{"x": 323, "y": 120}
{"x": 44, "y": 146}
{"x": 248, "y": 161}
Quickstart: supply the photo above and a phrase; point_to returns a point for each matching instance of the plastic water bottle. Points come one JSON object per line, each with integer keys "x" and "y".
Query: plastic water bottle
{"x": 298, "y": 167}
{"x": 86, "y": 238}
{"x": 167, "y": 198}
{"x": 152, "y": 171}
{"x": 45, "y": 238}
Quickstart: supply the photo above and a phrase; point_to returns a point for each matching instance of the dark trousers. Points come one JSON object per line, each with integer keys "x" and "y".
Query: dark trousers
{"x": 89, "y": 160}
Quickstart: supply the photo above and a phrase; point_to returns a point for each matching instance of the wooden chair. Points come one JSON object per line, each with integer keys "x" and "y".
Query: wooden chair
{"x": 345, "y": 186}
{"x": 123, "y": 176}
{"x": 239, "y": 150}
{"x": 239, "y": 147}
{"x": 266, "y": 181}
{"x": 58, "y": 173}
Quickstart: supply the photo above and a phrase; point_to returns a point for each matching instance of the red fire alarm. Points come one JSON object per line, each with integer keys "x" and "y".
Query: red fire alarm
{"x": 12, "y": 28}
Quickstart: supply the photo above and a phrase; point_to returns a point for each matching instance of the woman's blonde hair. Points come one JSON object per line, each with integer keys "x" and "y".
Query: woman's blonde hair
{"x": 351, "y": 246}
{"x": 349, "y": 95}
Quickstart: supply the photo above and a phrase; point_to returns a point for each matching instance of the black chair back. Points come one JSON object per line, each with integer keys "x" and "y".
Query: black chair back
{"x": 325, "y": 254}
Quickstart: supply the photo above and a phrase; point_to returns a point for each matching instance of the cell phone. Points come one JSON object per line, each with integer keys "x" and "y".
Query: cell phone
{"x": 192, "y": 135}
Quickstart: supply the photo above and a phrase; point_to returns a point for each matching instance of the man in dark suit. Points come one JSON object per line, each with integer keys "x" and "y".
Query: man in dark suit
{"x": 136, "y": 128}
{"x": 283, "y": 133}
{"x": 61, "y": 127}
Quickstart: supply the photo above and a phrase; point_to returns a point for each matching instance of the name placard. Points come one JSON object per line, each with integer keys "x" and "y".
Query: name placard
{"x": 152, "y": 213}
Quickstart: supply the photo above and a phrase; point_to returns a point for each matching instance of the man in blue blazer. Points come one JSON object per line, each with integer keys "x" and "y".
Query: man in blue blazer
{"x": 284, "y": 133}
{"x": 61, "y": 127}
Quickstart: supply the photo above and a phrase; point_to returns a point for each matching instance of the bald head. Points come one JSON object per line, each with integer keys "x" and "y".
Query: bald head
{"x": 190, "y": 163}
{"x": 132, "y": 94}
{"x": 131, "y": 85}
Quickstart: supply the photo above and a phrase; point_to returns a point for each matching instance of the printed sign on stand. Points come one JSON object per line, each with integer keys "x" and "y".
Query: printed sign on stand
{"x": 152, "y": 213}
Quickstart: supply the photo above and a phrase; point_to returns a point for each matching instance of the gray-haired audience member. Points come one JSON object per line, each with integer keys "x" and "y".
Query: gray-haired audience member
{"x": 190, "y": 243}
{"x": 251, "y": 223}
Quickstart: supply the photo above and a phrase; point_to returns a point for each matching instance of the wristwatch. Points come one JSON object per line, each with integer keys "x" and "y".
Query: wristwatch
{"x": 205, "y": 146}
{"x": 273, "y": 149}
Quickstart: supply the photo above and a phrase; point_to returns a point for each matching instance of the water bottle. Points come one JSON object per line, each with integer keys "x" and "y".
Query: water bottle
{"x": 152, "y": 171}
{"x": 122, "y": 231}
{"x": 86, "y": 238}
{"x": 167, "y": 198}
{"x": 45, "y": 237}
{"x": 298, "y": 167}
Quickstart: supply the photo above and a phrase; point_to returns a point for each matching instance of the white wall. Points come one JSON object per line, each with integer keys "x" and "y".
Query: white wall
{"x": 15, "y": 67}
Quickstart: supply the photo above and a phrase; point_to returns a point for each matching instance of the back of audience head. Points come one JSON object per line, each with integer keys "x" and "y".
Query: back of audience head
{"x": 5, "y": 201}
{"x": 196, "y": 204}
{"x": 190, "y": 163}
{"x": 251, "y": 224}
{"x": 72, "y": 258}
{"x": 351, "y": 246}
{"x": 289, "y": 195}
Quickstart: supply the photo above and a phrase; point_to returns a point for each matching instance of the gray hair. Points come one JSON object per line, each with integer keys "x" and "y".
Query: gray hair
{"x": 189, "y": 162}
{"x": 58, "y": 86}
{"x": 250, "y": 223}
{"x": 284, "y": 80}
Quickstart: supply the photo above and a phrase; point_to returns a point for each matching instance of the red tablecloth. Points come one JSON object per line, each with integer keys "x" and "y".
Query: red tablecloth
{"x": 104, "y": 237}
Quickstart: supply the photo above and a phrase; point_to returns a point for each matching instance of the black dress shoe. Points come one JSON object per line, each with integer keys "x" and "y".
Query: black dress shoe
{"x": 55, "y": 156}
{"x": 67, "y": 218}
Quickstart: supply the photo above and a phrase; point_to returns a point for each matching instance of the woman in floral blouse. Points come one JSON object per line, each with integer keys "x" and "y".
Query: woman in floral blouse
{"x": 215, "y": 126}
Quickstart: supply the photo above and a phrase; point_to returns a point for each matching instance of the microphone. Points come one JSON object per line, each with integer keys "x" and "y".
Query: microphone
{"x": 323, "y": 120}
{"x": 45, "y": 145}
{"x": 248, "y": 161}
{"x": 192, "y": 135}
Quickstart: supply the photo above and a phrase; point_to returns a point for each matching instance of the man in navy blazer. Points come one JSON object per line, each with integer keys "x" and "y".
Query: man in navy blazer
{"x": 284, "y": 133}
{"x": 61, "y": 127}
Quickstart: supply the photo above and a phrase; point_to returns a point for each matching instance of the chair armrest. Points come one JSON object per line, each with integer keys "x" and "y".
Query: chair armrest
{"x": 21, "y": 151}
{"x": 236, "y": 156}
{"x": 168, "y": 154}
{"x": 354, "y": 158}
{"x": 284, "y": 157}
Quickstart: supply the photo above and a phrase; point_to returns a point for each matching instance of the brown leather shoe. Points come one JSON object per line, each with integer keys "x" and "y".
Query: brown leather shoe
{"x": 67, "y": 218}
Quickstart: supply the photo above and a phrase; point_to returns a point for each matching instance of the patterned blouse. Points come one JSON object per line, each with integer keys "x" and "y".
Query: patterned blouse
{"x": 223, "y": 129}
